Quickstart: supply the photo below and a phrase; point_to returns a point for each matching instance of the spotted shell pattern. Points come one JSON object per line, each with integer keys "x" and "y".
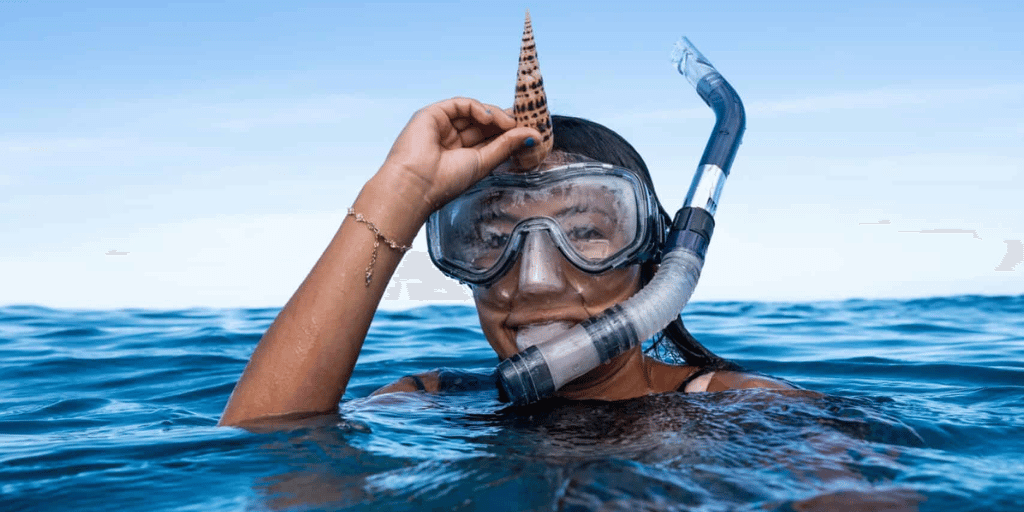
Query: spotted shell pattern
{"x": 531, "y": 104}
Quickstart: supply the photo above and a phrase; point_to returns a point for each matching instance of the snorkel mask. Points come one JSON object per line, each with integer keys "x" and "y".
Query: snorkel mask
{"x": 599, "y": 217}
{"x": 479, "y": 236}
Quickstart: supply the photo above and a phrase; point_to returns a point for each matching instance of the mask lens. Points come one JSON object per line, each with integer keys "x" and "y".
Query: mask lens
{"x": 598, "y": 218}
{"x": 470, "y": 235}
{"x": 593, "y": 215}
{"x": 489, "y": 230}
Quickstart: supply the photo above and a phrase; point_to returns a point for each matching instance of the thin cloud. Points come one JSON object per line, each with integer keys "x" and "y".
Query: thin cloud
{"x": 330, "y": 109}
{"x": 677, "y": 114}
{"x": 946, "y": 230}
{"x": 882, "y": 99}
{"x": 848, "y": 100}
{"x": 163, "y": 116}
{"x": 60, "y": 145}
{"x": 856, "y": 100}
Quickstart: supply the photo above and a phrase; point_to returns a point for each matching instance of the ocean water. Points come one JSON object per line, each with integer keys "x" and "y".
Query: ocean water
{"x": 912, "y": 405}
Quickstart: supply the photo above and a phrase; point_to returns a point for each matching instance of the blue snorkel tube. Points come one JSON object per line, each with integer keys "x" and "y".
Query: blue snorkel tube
{"x": 541, "y": 370}
{"x": 696, "y": 217}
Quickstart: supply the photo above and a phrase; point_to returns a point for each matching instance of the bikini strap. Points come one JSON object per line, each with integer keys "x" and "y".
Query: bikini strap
{"x": 694, "y": 376}
{"x": 452, "y": 381}
{"x": 418, "y": 382}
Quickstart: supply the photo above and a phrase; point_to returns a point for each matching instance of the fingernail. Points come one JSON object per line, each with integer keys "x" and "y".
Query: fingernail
{"x": 529, "y": 142}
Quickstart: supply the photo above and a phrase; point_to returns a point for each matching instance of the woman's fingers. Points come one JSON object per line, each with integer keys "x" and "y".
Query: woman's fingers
{"x": 481, "y": 113}
{"x": 487, "y": 128}
{"x": 498, "y": 118}
{"x": 502, "y": 115}
{"x": 501, "y": 148}
{"x": 453, "y": 143}
{"x": 474, "y": 135}
{"x": 474, "y": 122}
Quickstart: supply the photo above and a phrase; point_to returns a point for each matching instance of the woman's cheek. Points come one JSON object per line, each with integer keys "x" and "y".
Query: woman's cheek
{"x": 492, "y": 324}
{"x": 603, "y": 291}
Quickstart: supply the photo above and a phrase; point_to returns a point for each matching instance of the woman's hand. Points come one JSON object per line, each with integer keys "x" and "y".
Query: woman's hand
{"x": 305, "y": 359}
{"x": 452, "y": 144}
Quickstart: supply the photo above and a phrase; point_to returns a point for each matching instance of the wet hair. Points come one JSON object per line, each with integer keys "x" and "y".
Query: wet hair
{"x": 579, "y": 136}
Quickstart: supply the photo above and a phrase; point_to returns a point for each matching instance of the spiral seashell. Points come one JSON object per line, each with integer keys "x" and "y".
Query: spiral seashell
{"x": 531, "y": 104}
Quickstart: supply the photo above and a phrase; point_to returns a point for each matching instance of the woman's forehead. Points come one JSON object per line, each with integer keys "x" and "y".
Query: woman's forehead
{"x": 554, "y": 159}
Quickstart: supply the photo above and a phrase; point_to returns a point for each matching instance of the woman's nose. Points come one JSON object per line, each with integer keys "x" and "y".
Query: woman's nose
{"x": 540, "y": 270}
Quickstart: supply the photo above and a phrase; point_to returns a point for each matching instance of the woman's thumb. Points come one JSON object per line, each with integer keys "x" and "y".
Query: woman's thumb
{"x": 501, "y": 148}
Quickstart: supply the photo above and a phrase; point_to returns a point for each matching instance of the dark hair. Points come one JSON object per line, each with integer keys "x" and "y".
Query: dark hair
{"x": 584, "y": 137}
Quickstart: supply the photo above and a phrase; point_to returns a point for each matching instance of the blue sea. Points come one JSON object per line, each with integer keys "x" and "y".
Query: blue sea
{"x": 911, "y": 405}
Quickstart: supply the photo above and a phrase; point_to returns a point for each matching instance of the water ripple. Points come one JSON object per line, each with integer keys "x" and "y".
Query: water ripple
{"x": 913, "y": 403}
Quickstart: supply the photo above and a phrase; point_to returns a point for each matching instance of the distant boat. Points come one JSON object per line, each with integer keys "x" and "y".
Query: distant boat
{"x": 115, "y": 252}
{"x": 1014, "y": 255}
{"x": 944, "y": 230}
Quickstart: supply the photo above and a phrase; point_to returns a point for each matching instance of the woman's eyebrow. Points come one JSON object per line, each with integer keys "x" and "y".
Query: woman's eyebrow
{"x": 581, "y": 207}
{"x": 496, "y": 214}
{"x": 574, "y": 208}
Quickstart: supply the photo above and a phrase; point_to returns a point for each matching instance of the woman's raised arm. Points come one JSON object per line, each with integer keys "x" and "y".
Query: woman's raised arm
{"x": 305, "y": 359}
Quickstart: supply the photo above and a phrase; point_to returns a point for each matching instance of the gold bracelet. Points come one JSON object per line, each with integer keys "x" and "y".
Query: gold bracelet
{"x": 377, "y": 237}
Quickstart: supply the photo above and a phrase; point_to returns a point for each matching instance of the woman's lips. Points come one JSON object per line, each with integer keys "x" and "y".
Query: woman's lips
{"x": 530, "y": 335}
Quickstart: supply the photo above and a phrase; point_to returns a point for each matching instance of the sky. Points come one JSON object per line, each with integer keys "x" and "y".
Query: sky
{"x": 219, "y": 144}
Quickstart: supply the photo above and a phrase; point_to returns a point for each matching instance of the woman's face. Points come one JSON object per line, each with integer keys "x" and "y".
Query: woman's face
{"x": 544, "y": 288}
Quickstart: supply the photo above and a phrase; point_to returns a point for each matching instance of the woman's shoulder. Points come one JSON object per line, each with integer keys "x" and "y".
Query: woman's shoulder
{"x": 690, "y": 379}
{"x": 694, "y": 379}
{"x": 442, "y": 380}
{"x": 726, "y": 380}
{"x": 426, "y": 381}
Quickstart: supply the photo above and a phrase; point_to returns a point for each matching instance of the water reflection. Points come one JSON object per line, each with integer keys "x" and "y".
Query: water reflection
{"x": 789, "y": 450}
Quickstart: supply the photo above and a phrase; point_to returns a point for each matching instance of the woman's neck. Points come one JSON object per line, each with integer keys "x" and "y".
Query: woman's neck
{"x": 629, "y": 375}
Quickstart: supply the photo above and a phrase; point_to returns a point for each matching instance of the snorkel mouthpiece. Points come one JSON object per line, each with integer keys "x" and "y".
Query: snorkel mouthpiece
{"x": 531, "y": 105}
{"x": 542, "y": 369}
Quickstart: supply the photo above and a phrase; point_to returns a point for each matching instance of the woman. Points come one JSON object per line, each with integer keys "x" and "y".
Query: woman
{"x": 304, "y": 361}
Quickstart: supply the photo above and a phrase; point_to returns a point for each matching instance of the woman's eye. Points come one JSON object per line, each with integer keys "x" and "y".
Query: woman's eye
{"x": 494, "y": 239}
{"x": 585, "y": 233}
